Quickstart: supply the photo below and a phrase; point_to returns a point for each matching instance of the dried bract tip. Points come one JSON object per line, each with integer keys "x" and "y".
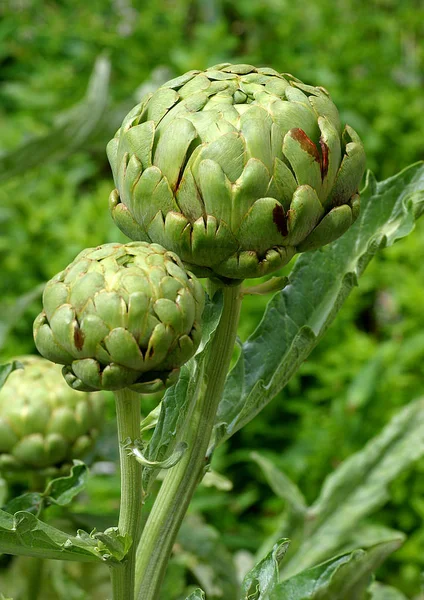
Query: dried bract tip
{"x": 235, "y": 169}
{"x": 121, "y": 315}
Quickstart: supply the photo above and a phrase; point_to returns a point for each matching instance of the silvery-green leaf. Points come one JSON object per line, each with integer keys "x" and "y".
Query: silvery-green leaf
{"x": 345, "y": 577}
{"x": 113, "y": 544}
{"x": 359, "y": 486}
{"x": 24, "y": 534}
{"x": 260, "y": 582}
{"x": 32, "y": 502}
{"x": 63, "y": 490}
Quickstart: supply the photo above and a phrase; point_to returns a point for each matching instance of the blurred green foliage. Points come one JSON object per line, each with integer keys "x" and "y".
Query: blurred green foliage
{"x": 370, "y": 56}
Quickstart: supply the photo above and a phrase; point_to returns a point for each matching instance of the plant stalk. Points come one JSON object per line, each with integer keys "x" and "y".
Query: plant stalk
{"x": 35, "y": 578}
{"x": 181, "y": 481}
{"x": 128, "y": 420}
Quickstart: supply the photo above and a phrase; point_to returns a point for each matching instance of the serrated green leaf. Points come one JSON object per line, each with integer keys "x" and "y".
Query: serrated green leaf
{"x": 178, "y": 398}
{"x": 63, "y": 490}
{"x": 32, "y": 502}
{"x": 359, "y": 486}
{"x": 23, "y": 534}
{"x": 8, "y": 368}
{"x": 112, "y": 543}
{"x": 345, "y": 577}
{"x": 260, "y": 582}
{"x": 59, "y": 491}
{"x": 320, "y": 282}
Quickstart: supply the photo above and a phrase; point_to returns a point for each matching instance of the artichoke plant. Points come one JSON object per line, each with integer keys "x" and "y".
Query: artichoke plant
{"x": 235, "y": 169}
{"x": 121, "y": 315}
{"x": 44, "y": 423}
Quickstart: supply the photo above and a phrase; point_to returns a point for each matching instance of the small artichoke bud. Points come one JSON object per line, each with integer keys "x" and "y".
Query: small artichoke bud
{"x": 44, "y": 423}
{"x": 235, "y": 169}
{"x": 121, "y": 315}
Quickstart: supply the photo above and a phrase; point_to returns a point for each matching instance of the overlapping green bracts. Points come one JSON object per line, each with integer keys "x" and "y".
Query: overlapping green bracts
{"x": 121, "y": 315}
{"x": 235, "y": 169}
{"x": 44, "y": 423}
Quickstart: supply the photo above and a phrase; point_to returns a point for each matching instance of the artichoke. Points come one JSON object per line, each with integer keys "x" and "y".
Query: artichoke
{"x": 121, "y": 315}
{"x": 43, "y": 423}
{"x": 235, "y": 169}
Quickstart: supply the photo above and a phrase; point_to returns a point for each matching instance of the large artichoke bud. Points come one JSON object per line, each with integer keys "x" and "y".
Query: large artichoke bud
{"x": 235, "y": 169}
{"x": 121, "y": 315}
{"x": 44, "y": 423}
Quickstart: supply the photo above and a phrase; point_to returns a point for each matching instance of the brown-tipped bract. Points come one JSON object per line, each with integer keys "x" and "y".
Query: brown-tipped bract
{"x": 235, "y": 169}
{"x": 121, "y": 315}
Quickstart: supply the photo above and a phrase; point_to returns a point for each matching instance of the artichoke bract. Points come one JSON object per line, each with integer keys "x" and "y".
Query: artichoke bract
{"x": 44, "y": 423}
{"x": 235, "y": 169}
{"x": 121, "y": 315}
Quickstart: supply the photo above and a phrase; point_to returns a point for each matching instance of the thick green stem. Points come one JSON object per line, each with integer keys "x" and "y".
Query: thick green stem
{"x": 34, "y": 579}
{"x": 128, "y": 419}
{"x": 181, "y": 481}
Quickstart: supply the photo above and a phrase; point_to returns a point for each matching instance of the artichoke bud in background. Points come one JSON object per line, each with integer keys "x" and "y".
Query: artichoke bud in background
{"x": 235, "y": 169}
{"x": 121, "y": 315}
{"x": 44, "y": 423}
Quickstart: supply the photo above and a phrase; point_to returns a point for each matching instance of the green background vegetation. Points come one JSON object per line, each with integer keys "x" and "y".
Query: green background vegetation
{"x": 370, "y": 56}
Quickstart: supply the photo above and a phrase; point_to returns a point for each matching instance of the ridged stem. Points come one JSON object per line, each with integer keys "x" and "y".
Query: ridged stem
{"x": 181, "y": 481}
{"x": 128, "y": 420}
